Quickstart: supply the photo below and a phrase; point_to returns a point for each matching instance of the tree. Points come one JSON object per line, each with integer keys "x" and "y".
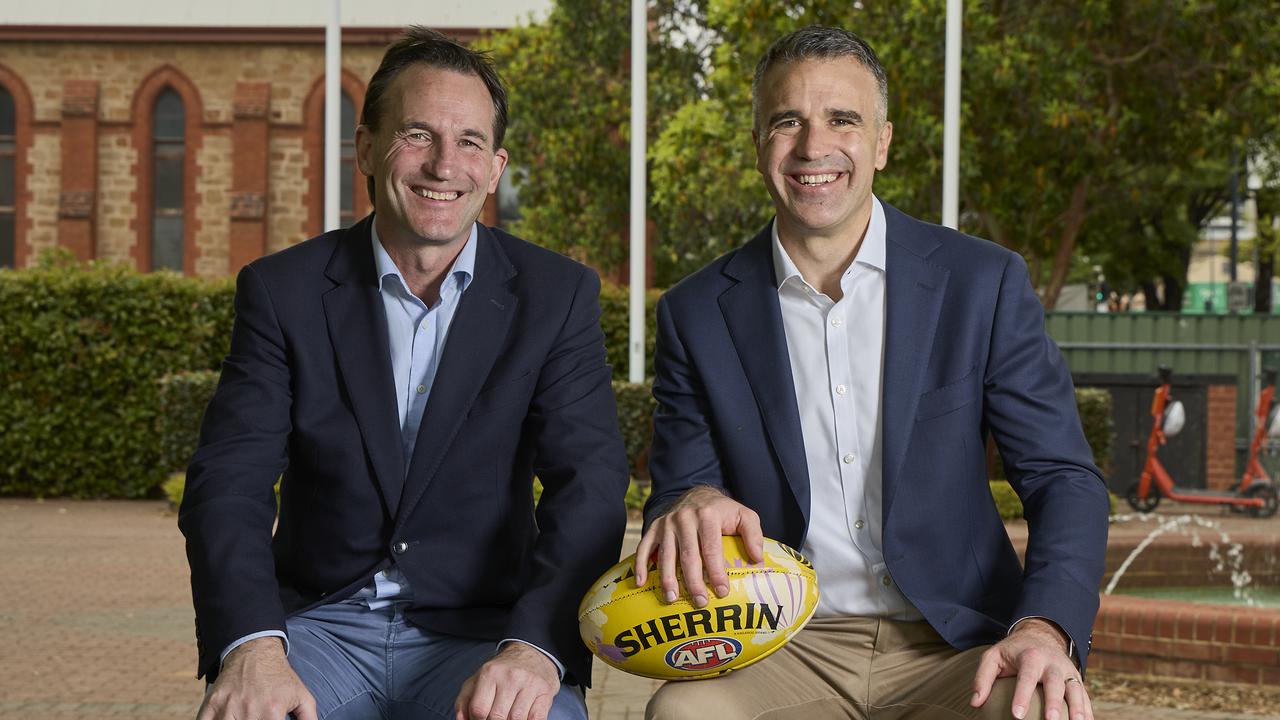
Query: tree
{"x": 1074, "y": 114}
{"x": 570, "y": 97}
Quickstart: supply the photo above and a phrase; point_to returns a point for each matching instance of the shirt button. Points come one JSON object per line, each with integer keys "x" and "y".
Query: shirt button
{"x": 841, "y": 389}
{"x": 422, "y": 389}
{"x": 848, "y": 458}
{"x": 887, "y": 581}
{"x": 858, "y": 525}
{"x": 835, "y": 322}
{"x": 400, "y": 548}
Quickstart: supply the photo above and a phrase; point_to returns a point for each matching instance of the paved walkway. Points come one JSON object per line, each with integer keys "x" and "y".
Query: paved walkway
{"x": 96, "y": 620}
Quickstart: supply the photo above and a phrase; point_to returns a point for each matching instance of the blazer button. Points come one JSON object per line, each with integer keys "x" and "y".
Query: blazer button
{"x": 400, "y": 548}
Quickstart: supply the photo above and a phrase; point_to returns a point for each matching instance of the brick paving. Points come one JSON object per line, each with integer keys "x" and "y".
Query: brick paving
{"x": 96, "y": 620}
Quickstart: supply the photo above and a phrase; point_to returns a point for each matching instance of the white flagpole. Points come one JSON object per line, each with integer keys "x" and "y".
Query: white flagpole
{"x": 639, "y": 61}
{"x": 951, "y": 119}
{"x": 332, "y": 116}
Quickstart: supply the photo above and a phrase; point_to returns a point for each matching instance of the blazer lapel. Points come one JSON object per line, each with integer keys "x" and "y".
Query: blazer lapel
{"x": 754, "y": 317}
{"x": 913, "y": 299}
{"x": 476, "y": 336}
{"x": 358, "y": 333}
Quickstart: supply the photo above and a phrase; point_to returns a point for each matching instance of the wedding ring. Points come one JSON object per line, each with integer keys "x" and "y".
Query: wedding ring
{"x": 1072, "y": 680}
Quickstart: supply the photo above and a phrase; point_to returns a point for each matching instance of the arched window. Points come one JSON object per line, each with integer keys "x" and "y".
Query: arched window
{"x": 353, "y": 201}
{"x": 8, "y": 177}
{"x": 347, "y": 186}
{"x": 168, "y": 137}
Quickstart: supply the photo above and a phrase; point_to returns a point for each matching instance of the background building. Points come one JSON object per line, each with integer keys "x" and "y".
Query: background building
{"x": 185, "y": 137}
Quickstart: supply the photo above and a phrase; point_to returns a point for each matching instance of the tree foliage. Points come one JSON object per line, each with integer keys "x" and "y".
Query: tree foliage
{"x": 1104, "y": 127}
{"x": 570, "y": 96}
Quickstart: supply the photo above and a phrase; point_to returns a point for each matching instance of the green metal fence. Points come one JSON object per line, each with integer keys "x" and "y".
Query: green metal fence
{"x": 1137, "y": 343}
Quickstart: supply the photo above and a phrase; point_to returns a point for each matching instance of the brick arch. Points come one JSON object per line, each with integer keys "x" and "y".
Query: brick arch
{"x": 23, "y": 115}
{"x": 142, "y": 111}
{"x": 313, "y": 145}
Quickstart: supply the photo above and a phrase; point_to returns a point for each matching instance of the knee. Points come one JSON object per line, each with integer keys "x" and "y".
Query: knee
{"x": 999, "y": 703}
{"x": 688, "y": 701}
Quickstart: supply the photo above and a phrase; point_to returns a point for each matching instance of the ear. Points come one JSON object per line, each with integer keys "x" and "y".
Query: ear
{"x": 882, "y": 145}
{"x": 499, "y": 164}
{"x": 364, "y": 150}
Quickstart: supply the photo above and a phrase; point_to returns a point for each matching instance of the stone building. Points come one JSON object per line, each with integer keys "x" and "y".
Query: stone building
{"x": 191, "y": 141}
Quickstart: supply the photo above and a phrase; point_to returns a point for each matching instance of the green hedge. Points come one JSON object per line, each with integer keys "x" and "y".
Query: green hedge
{"x": 81, "y": 349}
{"x": 183, "y": 397}
{"x": 615, "y": 320}
{"x": 1094, "y": 405}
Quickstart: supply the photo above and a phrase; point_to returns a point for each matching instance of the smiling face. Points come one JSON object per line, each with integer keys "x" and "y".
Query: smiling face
{"x": 818, "y": 144}
{"x": 432, "y": 158}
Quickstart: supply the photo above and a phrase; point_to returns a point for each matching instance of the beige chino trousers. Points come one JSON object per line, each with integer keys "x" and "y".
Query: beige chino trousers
{"x": 852, "y": 667}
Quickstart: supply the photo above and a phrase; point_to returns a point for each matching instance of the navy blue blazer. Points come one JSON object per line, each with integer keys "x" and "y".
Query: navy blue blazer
{"x": 522, "y": 389}
{"x": 965, "y": 352}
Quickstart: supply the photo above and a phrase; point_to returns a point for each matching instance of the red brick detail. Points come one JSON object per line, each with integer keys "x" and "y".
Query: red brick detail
{"x": 1186, "y": 640}
{"x": 76, "y": 225}
{"x": 144, "y": 100}
{"x": 75, "y": 204}
{"x": 248, "y": 205}
{"x": 1220, "y": 454}
{"x": 80, "y": 98}
{"x": 313, "y": 144}
{"x": 249, "y": 158}
{"x": 23, "y": 118}
{"x": 252, "y": 100}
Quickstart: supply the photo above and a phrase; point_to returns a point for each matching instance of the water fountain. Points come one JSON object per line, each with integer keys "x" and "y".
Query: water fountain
{"x": 1172, "y": 637}
{"x": 1190, "y": 524}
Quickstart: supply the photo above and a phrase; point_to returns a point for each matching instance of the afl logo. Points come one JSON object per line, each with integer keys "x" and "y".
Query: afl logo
{"x": 703, "y": 654}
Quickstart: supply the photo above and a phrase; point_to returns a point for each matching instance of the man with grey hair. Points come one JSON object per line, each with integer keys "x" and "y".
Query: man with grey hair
{"x": 831, "y": 384}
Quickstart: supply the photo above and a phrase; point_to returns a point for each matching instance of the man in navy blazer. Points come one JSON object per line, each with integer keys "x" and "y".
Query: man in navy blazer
{"x": 831, "y": 384}
{"x": 408, "y": 376}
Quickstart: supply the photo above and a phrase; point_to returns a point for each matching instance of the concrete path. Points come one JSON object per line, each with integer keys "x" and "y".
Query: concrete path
{"x": 96, "y": 620}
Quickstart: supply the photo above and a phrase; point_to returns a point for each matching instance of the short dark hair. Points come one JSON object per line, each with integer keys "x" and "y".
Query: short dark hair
{"x": 425, "y": 46}
{"x": 818, "y": 42}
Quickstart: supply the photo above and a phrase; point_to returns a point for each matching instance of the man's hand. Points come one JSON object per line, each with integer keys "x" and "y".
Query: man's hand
{"x": 257, "y": 682}
{"x": 690, "y": 531}
{"x": 1036, "y": 652}
{"x": 519, "y": 683}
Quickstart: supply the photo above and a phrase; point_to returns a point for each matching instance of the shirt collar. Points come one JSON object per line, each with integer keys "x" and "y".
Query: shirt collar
{"x": 463, "y": 266}
{"x": 871, "y": 252}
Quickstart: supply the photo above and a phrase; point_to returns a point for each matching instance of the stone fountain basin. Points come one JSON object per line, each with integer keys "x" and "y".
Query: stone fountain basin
{"x": 1178, "y": 638}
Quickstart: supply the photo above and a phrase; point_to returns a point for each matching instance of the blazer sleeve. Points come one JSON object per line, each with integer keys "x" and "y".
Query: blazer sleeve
{"x": 581, "y": 461}
{"x": 683, "y": 453}
{"x": 1031, "y": 411}
{"x": 228, "y": 506}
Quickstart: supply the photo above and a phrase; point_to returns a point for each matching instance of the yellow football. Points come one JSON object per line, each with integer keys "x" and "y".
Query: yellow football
{"x": 633, "y": 629}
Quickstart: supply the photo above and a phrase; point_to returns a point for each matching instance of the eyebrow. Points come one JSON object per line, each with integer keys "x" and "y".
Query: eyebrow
{"x": 852, "y": 116}
{"x": 469, "y": 132}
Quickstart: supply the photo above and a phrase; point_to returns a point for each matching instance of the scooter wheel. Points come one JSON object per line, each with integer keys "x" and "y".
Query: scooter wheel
{"x": 1141, "y": 504}
{"x": 1269, "y": 500}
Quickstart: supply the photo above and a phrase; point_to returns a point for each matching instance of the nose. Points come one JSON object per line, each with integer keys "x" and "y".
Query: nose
{"x": 814, "y": 142}
{"x": 440, "y": 160}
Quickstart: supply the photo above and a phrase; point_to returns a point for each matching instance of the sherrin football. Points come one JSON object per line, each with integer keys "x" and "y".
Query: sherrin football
{"x": 633, "y": 629}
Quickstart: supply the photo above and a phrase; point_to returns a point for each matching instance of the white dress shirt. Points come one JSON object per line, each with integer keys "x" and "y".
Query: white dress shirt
{"x": 837, "y": 362}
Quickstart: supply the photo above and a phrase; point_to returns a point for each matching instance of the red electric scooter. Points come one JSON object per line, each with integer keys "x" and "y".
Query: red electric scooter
{"x": 1255, "y": 494}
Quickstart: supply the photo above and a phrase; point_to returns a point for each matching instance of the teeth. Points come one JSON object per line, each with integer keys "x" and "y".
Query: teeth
{"x": 818, "y": 179}
{"x": 433, "y": 195}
